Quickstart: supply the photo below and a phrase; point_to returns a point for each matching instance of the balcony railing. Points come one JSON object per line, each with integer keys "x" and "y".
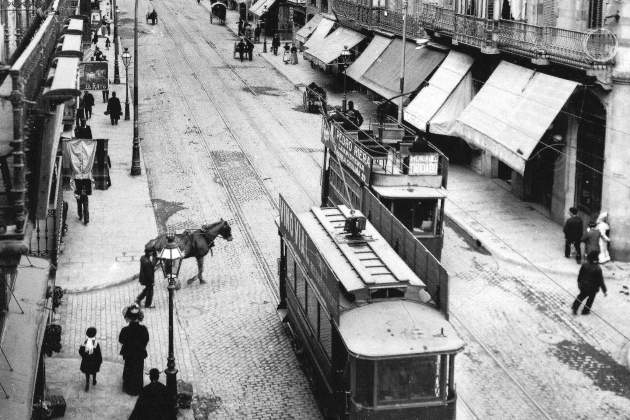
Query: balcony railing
{"x": 584, "y": 50}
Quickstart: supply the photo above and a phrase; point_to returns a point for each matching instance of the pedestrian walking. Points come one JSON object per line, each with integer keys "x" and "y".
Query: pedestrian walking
{"x": 590, "y": 280}
{"x": 573, "y": 231}
{"x": 91, "y": 357}
{"x": 95, "y": 37}
{"x": 250, "y": 50}
{"x": 114, "y": 109}
{"x": 88, "y": 103}
{"x": 240, "y": 47}
{"x": 604, "y": 230}
{"x": 80, "y": 112}
{"x": 294, "y": 56}
{"x": 147, "y": 279}
{"x": 591, "y": 239}
{"x": 275, "y": 43}
{"x": 286, "y": 56}
{"x": 83, "y": 189}
{"x": 240, "y": 27}
{"x": 109, "y": 28}
{"x": 152, "y": 404}
{"x": 107, "y": 43}
{"x": 134, "y": 339}
{"x": 105, "y": 93}
{"x": 83, "y": 131}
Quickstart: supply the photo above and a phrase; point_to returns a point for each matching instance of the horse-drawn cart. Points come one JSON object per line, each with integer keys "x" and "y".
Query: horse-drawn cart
{"x": 218, "y": 10}
{"x": 152, "y": 16}
{"x": 314, "y": 98}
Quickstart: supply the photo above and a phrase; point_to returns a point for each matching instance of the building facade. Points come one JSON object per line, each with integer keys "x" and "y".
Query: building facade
{"x": 551, "y": 74}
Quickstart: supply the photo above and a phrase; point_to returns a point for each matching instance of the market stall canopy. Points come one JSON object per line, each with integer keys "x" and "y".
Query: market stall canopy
{"x": 258, "y": 8}
{"x": 62, "y": 82}
{"x": 329, "y": 49}
{"x": 448, "y": 93}
{"x": 512, "y": 111}
{"x": 306, "y": 30}
{"x": 69, "y": 46}
{"x": 419, "y": 64}
{"x": 377, "y": 45}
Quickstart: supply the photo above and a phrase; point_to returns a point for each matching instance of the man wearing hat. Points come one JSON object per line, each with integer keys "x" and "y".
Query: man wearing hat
{"x": 134, "y": 339}
{"x": 590, "y": 280}
{"x": 152, "y": 404}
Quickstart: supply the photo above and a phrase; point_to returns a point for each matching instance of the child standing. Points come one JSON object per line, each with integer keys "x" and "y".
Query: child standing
{"x": 91, "y": 358}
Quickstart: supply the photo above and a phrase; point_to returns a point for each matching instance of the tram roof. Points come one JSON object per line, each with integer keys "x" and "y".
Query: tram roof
{"x": 358, "y": 264}
{"x": 397, "y": 328}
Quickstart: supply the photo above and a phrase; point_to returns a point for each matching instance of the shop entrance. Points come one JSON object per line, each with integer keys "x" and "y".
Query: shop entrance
{"x": 590, "y": 156}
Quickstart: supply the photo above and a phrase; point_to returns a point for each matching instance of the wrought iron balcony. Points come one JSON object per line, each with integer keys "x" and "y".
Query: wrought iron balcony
{"x": 583, "y": 50}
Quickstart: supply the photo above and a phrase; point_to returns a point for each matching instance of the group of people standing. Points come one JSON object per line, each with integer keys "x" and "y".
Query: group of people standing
{"x": 596, "y": 240}
{"x": 153, "y": 402}
{"x": 290, "y": 53}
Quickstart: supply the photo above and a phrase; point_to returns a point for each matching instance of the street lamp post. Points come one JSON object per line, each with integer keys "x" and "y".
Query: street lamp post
{"x": 135, "y": 148}
{"x": 264, "y": 19}
{"x": 126, "y": 58}
{"x": 170, "y": 260}
{"x": 402, "y": 63}
{"x": 345, "y": 53}
{"x": 116, "y": 69}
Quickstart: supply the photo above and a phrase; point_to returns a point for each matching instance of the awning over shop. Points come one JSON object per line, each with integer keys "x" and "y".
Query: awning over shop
{"x": 51, "y": 134}
{"x": 368, "y": 56}
{"x": 62, "y": 83}
{"x": 448, "y": 93}
{"x": 323, "y": 29}
{"x": 70, "y": 46}
{"x": 75, "y": 26}
{"x": 258, "y": 8}
{"x": 384, "y": 79}
{"x": 512, "y": 111}
{"x": 409, "y": 192}
{"x": 306, "y": 30}
{"x": 330, "y": 48}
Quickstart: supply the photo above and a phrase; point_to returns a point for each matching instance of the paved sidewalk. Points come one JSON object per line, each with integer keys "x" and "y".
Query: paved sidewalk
{"x": 98, "y": 270}
{"x": 107, "y": 250}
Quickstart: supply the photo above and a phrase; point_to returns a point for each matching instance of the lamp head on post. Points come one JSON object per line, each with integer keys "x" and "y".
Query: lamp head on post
{"x": 171, "y": 258}
{"x": 345, "y": 56}
{"x": 126, "y": 57}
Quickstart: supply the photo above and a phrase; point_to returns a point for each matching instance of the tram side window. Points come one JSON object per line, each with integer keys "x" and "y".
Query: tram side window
{"x": 290, "y": 269}
{"x": 312, "y": 308}
{"x": 300, "y": 287}
{"x": 325, "y": 332}
{"x": 407, "y": 380}
{"x": 364, "y": 382}
{"x": 416, "y": 215}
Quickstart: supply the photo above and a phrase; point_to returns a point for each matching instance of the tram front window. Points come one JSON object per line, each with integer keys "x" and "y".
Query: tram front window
{"x": 364, "y": 389}
{"x": 407, "y": 380}
{"x": 417, "y": 216}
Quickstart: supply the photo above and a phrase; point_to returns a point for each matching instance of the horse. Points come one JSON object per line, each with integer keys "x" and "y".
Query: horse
{"x": 193, "y": 243}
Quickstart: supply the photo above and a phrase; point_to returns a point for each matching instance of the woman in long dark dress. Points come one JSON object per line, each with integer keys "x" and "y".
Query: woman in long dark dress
{"x": 134, "y": 339}
{"x": 91, "y": 357}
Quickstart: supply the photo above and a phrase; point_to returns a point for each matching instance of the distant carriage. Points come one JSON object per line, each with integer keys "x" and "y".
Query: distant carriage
{"x": 314, "y": 99}
{"x": 152, "y": 16}
{"x": 218, "y": 9}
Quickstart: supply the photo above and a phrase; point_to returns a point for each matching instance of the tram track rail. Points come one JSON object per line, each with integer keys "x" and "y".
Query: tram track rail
{"x": 235, "y": 206}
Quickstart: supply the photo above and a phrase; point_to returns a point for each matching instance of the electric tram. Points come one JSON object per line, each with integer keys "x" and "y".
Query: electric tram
{"x": 406, "y": 173}
{"x": 371, "y": 338}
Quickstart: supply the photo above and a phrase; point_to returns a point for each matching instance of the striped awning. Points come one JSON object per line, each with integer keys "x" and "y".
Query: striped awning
{"x": 375, "y": 48}
{"x": 260, "y": 7}
{"x": 306, "y": 30}
{"x": 512, "y": 112}
{"x": 330, "y": 48}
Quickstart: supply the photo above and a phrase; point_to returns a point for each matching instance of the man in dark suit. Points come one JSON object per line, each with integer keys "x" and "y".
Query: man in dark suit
{"x": 591, "y": 239}
{"x": 590, "y": 280}
{"x": 88, "y": 103}
{"x": 83, "y": 188}
{"x": 114, "y": 109}
{"x": 152, "y": 404}
{"x": 573, "y": 230}
{"x": 147, "y": 279}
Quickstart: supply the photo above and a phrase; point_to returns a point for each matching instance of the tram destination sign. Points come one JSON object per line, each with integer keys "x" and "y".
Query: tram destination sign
{"x": 347, "y": 150}
{"x": 311, "y": 258}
